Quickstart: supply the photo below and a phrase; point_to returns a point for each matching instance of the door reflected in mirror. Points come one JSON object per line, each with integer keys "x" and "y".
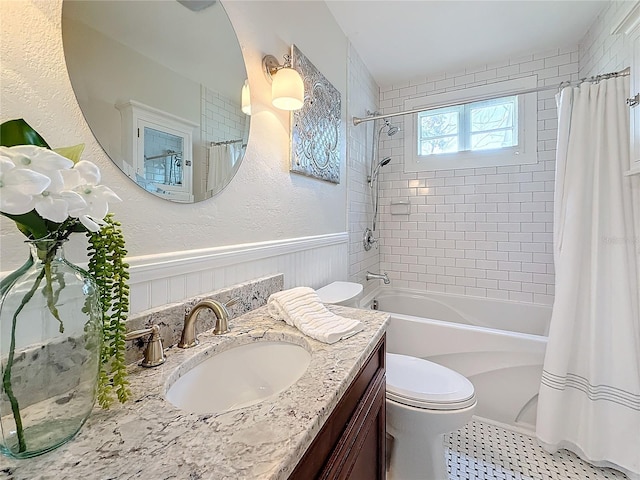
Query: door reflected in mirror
{"x": 160, "y": 85}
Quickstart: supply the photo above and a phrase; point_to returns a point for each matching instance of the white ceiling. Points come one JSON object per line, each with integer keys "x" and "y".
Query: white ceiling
{"x": 400, "y": 40}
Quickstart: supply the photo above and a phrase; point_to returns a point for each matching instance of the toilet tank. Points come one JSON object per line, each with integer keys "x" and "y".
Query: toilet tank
{"x": 347, "y": 294}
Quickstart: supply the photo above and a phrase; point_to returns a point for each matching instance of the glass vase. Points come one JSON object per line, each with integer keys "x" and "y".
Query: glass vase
{"x": 50, "y": 340}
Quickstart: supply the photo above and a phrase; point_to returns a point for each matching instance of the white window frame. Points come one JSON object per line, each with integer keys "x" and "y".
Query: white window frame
{"x": 526, "y": 152}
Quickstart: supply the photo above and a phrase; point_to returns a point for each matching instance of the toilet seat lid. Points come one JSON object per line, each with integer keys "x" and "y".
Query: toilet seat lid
{"x": 338, "y": 292}
{"x": 424, "y": 384}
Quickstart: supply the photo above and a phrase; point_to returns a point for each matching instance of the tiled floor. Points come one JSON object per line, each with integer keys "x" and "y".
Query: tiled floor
{"x": 481, "y": 451}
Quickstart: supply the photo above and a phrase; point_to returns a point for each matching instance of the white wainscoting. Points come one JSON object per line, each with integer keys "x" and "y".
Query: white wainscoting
{"x": 171, "y": 277}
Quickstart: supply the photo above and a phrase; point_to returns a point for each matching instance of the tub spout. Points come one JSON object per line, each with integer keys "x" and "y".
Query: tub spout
{"x": 379, "y": 276}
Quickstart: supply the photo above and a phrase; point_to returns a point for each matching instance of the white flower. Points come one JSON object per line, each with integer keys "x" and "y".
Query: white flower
{"x": 38, "y": 178}
{"x": 41, "y": 160}
{"x": 52, "y": 203}
{"x": 55, "y": 206}
{"x": 83, "y": 179}
{"x": 18, "y": 186}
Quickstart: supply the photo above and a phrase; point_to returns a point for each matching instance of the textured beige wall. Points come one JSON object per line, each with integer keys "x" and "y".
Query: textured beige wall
{"x": 264, "y": 201}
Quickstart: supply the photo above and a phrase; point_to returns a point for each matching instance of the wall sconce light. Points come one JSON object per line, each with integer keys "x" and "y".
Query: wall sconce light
{"x": 246, "y": 98}
{"x": 287, "y": 88}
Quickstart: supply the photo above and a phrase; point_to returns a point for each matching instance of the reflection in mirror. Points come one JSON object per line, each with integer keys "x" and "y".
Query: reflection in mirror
{"x": 160, "y": 83}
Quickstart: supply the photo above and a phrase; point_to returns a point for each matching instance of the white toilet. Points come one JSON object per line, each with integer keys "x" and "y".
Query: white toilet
{"x": 424, "y": 401}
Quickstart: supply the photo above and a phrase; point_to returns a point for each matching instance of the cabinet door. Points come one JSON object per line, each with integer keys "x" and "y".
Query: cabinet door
{"x": 361, "y": 452}
{"x": 351, "y": 444}
{"x": 366, "y": 460}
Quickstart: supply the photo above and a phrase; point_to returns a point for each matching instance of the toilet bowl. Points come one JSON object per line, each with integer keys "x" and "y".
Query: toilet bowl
{"x": 424, "y": 401}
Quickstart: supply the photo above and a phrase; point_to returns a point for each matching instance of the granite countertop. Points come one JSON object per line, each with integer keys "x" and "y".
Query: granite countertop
{"x": 149, "y": 438}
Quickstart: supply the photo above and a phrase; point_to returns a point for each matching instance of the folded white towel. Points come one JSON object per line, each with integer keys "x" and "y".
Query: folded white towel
{"x": 301, "y": 307}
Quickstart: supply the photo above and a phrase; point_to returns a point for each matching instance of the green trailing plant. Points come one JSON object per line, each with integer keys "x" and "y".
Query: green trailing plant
{"x": 106, "y": 264}
{"x": 47, "y": 211}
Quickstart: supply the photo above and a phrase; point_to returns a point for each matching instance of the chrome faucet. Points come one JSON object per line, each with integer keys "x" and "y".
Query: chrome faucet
{"x": 379, "y": 276}
{"x": 189, "y": 338}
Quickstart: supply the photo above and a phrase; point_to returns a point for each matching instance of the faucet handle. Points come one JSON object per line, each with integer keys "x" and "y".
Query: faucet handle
{"x": 154, "y": 353}
{"x": 231, "y": 302}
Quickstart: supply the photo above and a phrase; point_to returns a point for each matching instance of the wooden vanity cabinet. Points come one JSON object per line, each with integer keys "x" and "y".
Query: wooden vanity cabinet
{"x": 351, "y": 444}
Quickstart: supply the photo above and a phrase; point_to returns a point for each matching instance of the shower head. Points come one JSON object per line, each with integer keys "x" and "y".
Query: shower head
{"x": 380, "y": 164}
{"x": 392, "y": 129}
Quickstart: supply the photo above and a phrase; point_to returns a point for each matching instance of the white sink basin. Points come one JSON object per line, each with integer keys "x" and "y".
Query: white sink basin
{"x": 239, "y": 377}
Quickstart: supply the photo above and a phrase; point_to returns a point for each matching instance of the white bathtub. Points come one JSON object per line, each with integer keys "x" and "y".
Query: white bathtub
{"x": 498, "y": 345}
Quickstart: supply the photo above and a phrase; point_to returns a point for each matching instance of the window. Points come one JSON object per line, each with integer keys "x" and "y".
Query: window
{"x": 499, "y": 131}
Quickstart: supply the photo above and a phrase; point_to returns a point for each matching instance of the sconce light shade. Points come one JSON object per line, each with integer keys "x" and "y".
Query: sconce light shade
{"x": 287, "y": 87}
{"x": 246, "y": 98}
{"x": 287, "y": 90}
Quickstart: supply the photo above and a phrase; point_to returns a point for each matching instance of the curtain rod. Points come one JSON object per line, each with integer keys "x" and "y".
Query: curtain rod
{"x": 170, "y": 153}
{"x": 225, "y": 142}
{"x": 596, "y": 79}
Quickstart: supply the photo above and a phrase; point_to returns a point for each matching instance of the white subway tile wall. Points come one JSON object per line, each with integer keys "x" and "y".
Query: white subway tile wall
{"x": 222, "y": 119}
{"x": 601, "y": 52}
{"x": 362, "y": 95}
{"x": 163, "y": 169}
{"x": 485, "y": 231}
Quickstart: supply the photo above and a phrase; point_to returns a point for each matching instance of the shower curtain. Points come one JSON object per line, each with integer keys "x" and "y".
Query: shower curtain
{"x": 589, "y": 399}
{"x": 221, "y": 161}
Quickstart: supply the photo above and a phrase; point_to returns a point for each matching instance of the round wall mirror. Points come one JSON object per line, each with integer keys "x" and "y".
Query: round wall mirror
{"x": 160, "y": 83}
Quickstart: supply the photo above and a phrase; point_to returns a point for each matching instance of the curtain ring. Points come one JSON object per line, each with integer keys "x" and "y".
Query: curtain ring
{"x": 561, "y": 86}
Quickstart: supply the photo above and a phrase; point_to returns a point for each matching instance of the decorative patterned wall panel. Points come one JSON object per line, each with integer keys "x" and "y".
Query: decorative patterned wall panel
{"x": 315, "y": 128}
